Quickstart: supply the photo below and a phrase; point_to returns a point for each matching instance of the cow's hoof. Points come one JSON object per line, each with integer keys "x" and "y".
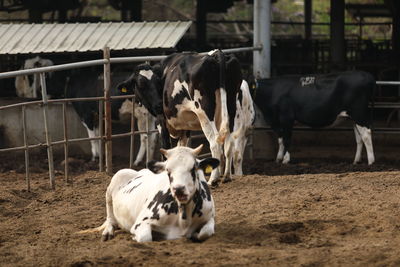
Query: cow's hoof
{"x": 227, "y": 180}
{"x": 107, "y": 237}
{"x": 214, "y": 183}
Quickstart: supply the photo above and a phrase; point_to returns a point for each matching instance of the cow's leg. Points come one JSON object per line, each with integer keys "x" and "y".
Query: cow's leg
{"x": 228, "y": 150}
{"x": 152, "y": 138}
{"x": 141, "y": 231}
{"x": 239, "y": 145}
{"x": 211, "y": 133}
{"x": 184, "y": 138}
{"x": 206, "y": 231}
{"x": 94, "y": 144}
{"x": 141, "y": 123}
{"x": 359, "y": 142}
{"x": 111, "y": 222}
{"x": 366, "y": 137}
{"x": 279, "y": 156}
{"x": 286, "y": 138}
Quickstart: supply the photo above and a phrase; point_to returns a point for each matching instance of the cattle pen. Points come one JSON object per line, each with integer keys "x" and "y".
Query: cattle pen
{"x": 105, "y": 135}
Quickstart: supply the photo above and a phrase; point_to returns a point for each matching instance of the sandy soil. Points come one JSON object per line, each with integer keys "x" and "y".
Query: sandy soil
{"x": 315, "y": 213}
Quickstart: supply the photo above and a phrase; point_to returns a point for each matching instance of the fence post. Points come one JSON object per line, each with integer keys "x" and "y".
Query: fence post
{"x": 24, "y": 129}
{"x": 132, "y": 148}
{"x": 46, "y": 129}
{"x": 101, "y": 133}
{"x": 148, "y": 137}
{"x": 66, "y": 151}
{"x": 107, "y": 109}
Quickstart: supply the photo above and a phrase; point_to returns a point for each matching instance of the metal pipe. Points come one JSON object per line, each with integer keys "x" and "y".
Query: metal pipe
{"x": 46, "y": 130}
{"x": 24, "y": 130}
{"x": 107, "y": 109}
{"x": 262, "y": 38}
{"x": 148, "y": 137}
{"x": 66, "y": 142}
{"x": 101, "y": 134}
{"x": 132, "y": 144}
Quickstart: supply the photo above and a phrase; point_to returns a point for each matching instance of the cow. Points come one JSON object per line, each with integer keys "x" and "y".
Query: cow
{"x": 142, "y": 78}
{"x": 89, "y": 83}
{"x": 317, "y": 101}
{"x": 168, "y": 201}
{"x": 28, "y": 86}
{"x": 199, "y": 93}
{"x": 244, "y": 119}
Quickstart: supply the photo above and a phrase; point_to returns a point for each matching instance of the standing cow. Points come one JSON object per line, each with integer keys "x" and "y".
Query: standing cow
{"x": 317, "y": 101}
{"x": 86, "y": 82}
{"x": 199, "y": 93}
{"x": 171, "y": 202}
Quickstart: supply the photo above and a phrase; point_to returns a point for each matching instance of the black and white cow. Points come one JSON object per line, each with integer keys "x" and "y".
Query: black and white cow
{"x": 172, "y": 202}
{"x": 199, "y": 93}
{"x": 86, "y": 82}
{"x": 28, "y": 86}
{"x": 244, "y": 119}
{"x": 317, "y": 101}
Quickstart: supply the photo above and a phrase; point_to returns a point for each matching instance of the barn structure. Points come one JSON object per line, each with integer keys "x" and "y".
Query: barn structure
{"x": 65, "y": 43}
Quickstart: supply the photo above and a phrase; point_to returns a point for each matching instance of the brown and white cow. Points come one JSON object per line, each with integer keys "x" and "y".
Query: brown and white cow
{"x": 200, "y": 94}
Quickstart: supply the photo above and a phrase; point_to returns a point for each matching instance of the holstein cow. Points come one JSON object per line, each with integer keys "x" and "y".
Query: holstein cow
{"x": 244, "y": 119}
{"x": 88, "y": 83}
{"x": 28, "y": 86}
{"x": 317, "y": 101}
{"x": 141, "y": 83}
{"x": 199, "y": 94}
{"x": 172, "y": 202}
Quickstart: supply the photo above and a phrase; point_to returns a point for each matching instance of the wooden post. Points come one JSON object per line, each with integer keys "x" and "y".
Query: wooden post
{"x": 148, "y": 138}
{"x": 107, "y": 109}
{"x": 24, "y": 129}
{"x": 46, "y": 129}
{"x": 66, "y": 154}
{"x": 132, "y": 148}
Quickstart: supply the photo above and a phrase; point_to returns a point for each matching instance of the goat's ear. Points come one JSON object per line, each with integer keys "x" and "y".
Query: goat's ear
{"x": 208, "y": 164}
{"x": 156, "y": 166}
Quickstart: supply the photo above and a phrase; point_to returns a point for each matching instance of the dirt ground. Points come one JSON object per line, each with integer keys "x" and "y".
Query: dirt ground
{"x": 316, "y": 212}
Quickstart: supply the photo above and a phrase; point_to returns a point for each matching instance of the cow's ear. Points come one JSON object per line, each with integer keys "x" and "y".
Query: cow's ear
{"x": 208, "y": 164}
{"x": 157, "y": 70}
{"x": 122, "y": 88}
{"x": 156, "y": 166}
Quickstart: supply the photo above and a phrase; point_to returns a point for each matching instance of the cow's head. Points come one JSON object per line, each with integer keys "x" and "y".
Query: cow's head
{"x": 145, "y": 83}
{"x": 184, "y": 170}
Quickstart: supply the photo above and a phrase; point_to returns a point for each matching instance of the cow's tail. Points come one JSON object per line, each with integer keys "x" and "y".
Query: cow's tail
{"x": 224, "y": 127}
{"x": 93, "y": 230}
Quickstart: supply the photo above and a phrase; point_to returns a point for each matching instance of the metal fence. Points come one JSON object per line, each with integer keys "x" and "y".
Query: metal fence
{"x": 105, "y": 137}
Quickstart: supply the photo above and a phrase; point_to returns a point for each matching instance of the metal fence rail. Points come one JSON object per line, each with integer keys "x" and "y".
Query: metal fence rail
{"x": 104, "y": 104}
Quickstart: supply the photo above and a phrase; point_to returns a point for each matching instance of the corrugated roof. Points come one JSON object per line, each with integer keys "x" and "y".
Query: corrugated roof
{"x": 83, "y": 37}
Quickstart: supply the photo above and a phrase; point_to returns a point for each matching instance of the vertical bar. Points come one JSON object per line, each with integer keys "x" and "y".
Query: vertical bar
{"x": 308, "y": 19}
{"x": 101, "y": 134}
{"x": 251, "y": 139}
{"x": 338, "y": 54}
{"x": 66, "y": 151}
{"x": 46, "y": 129}
{"x": 24, "y": 129}
{"x": 132, "y": 148}
{"x": 107, "y": 109}
{"x": 148, "y": 137}
{"x": 262, "y": 37}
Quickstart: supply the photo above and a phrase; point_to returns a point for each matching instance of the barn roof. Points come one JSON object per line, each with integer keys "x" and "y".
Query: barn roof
{"x": 84, "y": 37}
